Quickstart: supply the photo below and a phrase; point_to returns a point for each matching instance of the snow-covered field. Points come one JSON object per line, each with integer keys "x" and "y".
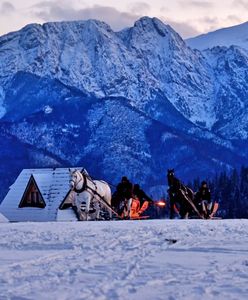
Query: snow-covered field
{"x": 160, "y": 259}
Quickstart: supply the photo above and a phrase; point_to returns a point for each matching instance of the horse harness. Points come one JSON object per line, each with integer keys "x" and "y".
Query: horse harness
{"x": 85, "y": 187}
{"x": 182, "y": 188}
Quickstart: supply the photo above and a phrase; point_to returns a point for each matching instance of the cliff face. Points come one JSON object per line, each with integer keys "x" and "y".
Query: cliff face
{"x": 133, "y": 102}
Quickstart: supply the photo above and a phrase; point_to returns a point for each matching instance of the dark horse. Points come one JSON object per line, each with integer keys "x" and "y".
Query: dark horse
{"x": 180, "y": 194}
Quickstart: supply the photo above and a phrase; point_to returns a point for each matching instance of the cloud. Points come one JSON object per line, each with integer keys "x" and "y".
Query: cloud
{"x": 185, "y": 29}
{"x": 213, "y": 21}
{"x": 196, "y": 3}
{"x": 234, "y": 18}
{"x": 165, "y": 9}
{"x": 210, "y": 23}
{"x": 203, "y": 4}
{"x": 57, "y": 11}
{"x": 240, "y": 3}
{"x": 139, "y": 8}
{"x": 7, "y": 8}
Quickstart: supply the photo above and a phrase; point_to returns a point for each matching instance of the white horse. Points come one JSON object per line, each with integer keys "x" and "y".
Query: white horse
{"x": 88, "y": 191}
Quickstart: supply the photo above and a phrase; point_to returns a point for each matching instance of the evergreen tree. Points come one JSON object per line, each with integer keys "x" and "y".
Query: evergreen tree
{"x": 230, "y": 190}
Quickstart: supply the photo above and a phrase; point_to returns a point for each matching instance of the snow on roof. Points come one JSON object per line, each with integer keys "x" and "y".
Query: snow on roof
{"x": 53, "y": 185}
{"x": 3, "y": 219}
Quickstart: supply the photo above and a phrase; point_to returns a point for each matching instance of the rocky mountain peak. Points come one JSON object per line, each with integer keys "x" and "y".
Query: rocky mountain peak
{"x": 129, "y": 101}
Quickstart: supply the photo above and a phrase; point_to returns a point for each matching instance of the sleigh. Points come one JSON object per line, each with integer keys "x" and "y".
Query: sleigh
{"x": 195, "y": 215}
{"x": 212, "y": 214}
{"x": 214, "y": 211}
{"x": 146, "y": 211}
{"x": 137, "y": 211}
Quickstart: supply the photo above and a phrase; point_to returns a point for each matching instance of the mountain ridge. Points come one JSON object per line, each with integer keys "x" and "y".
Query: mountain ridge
{"x": 229, "y": 36}
{"x": 130, "y": 102}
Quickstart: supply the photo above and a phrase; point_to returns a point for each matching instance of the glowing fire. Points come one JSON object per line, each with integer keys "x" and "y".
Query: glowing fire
{"x": 161, "y": 203}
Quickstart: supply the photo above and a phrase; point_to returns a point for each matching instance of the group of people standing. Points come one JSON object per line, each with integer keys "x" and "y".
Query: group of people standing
{"x": 127, "y": 194}
{"x": 189, "y": 203}
{"x": 124, "y": 195}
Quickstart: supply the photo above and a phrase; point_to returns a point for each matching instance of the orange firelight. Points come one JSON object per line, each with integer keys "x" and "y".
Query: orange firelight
{"x": 161, "y": 203}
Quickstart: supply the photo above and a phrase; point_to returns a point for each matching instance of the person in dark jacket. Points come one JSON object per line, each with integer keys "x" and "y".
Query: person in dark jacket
{"x": 121, "y": 199}
{"x": 174, "y": 185}
{"x": 141, "y": 195}
{"x": 203, "y": 199}
{"x": 125, "y": 188}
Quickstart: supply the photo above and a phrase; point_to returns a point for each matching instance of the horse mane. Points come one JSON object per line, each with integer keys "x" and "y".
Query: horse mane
{"x": 84, "y": 171}
{"x": 177, "y": 183}
{"x": 172, "y": 179}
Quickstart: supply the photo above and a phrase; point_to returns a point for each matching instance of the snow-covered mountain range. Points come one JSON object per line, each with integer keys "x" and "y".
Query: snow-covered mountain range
{"x": 130, "y": 103}
{"x": 236, "y": 35}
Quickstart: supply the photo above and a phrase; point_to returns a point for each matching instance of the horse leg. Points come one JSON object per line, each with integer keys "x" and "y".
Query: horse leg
{"x": 203, "y": 211}
{"x": 98, "y": 209}
{"x": 108, "y": 200}
{"x": 172, "y": 215}
{"x": 87, "y": 206}
{"x": 125, "y": 208}
{"x": 186, "y": 216}
{"x": 129, "y": 205}
{"x": 172, "y": 209}
{"x": 183, "y": 211}
{"x": 110, "y": 214}
{"x": 78, "y": 203}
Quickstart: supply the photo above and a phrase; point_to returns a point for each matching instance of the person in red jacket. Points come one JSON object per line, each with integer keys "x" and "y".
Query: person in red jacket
{"x": 143, "y": 201}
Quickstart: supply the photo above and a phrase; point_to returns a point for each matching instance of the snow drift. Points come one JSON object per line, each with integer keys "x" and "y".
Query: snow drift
{"x": 124, "y": 260}
{"x": 3, "y": 219}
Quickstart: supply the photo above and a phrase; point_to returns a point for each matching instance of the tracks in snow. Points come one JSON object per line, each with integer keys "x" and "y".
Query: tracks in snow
{"x": 124, "y": 260}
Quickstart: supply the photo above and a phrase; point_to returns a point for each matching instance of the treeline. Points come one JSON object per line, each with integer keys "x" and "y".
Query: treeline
{"x": 230, "y": 189}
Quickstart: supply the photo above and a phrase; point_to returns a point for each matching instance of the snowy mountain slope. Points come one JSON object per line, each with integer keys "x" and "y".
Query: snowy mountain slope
{"x": 230, "y": 67}
{"x": 181, "y": 71}
{"x": 160, "y": 259}
{"x": 16, "y": 155}
{"x": 134, "y": 102}
{"x": 113, "y": 138}
{"x": 235, "y": 35}
{"x": 28, "y": 94}
{"x": 81, "y": 54}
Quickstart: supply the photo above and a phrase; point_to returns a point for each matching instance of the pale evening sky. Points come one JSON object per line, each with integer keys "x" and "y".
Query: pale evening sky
{"x": 187, "y": 17}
